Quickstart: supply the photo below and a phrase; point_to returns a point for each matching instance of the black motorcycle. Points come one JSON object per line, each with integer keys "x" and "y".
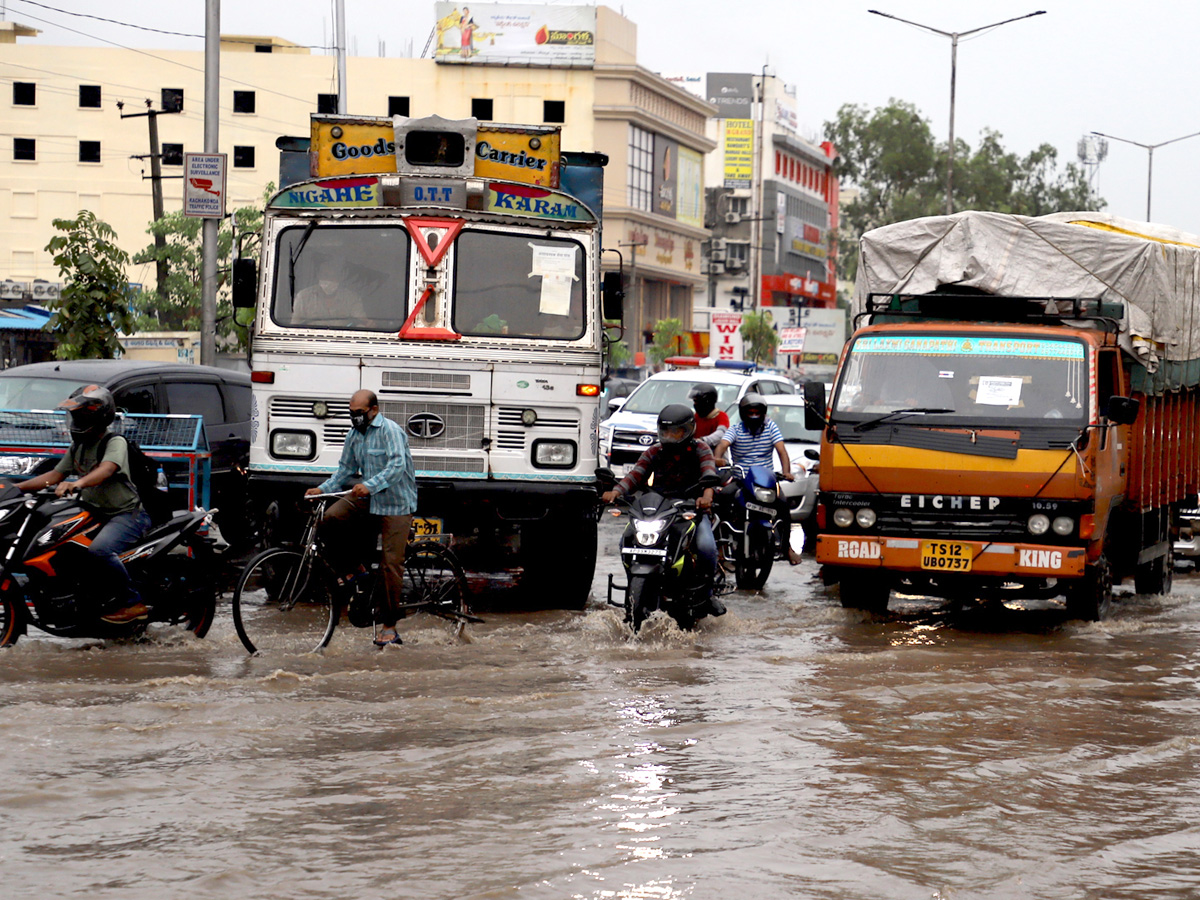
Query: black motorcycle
{"x": 46, "y": 568}
{"x": 663, "y": 567}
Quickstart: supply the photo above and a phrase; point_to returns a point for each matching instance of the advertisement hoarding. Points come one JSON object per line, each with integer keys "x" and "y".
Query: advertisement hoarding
{"x": 725, "y": 335}
{"x": 689, "y": 207}
{"x": 732, "y": 93}
{"x": 739, "y": 152}
{"x": 666, "y": 167}
{"x": 515, "y": 34}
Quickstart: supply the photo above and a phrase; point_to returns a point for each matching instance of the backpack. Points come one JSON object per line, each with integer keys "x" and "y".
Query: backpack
{"x": 143, "y": 471}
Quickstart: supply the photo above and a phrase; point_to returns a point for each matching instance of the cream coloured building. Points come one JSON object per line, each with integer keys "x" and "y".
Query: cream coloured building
{"x": 64, "y": 145}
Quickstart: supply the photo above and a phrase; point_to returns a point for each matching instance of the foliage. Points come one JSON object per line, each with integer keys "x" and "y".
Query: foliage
{"x": 180, "y": 308}
{"x": 667, "y": 333}
{"x": 899, "y": 170}
{"x": 760, "y": 337}
{"x": 616, "y": 352}
{"x": 93, "y": 307}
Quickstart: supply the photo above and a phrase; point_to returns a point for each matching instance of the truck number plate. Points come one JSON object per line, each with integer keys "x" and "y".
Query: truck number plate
{"x": 425, "y": 527}
{"x": 946, "y": 556}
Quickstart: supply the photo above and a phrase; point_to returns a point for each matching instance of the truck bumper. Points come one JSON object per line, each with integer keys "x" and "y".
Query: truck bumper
{"x": 986, "y": 559}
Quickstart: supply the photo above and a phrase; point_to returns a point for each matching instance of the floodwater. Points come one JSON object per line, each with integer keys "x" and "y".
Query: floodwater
{"x": 788, "y": 750}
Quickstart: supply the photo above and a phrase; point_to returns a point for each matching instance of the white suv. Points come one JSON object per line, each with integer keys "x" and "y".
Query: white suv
{"x": 634, "y": 426}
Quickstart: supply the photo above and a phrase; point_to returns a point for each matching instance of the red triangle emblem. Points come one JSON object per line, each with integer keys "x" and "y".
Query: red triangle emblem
{"x": 445, "y": 229}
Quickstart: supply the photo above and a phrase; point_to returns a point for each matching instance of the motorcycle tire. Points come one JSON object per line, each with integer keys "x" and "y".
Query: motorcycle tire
{"x": 201, "y": 605}
{"x": 10, "y": 621}
{"x": 640, "y": 601}
{"x": 753, "y": 573}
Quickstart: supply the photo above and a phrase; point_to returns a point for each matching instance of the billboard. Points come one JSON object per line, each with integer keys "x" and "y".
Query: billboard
{"x": 739, "y": 152}
{"x": 725, "y": 335}
{"x": 504, "y": 34}
{"x": 666, "y": 182}
{"x": 732, "y": 94}
{"x": 689, "y": 206}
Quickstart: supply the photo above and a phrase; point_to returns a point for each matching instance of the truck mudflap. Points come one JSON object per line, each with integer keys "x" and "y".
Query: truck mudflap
{"x": 949, "y": 556}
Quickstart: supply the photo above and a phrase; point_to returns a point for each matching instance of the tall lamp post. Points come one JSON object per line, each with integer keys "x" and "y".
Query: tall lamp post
{"x": 954, "y": 36}
{"x": 1150, "y": 148}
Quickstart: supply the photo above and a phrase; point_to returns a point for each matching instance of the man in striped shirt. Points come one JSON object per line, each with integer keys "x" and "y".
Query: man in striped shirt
{"x": 753, "y": 440}
{"x": 376, "y": 461}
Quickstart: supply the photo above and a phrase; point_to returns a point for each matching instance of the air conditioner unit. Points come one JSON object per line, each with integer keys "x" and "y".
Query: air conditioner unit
{"x": 732, "y": 218}
{"x": 715, "y": 268}
{"x": 734, "y": 265}
{"x": 717, "y": 252}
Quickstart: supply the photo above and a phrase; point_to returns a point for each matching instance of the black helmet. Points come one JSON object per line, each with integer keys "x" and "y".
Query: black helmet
{"x": 676, "y": 424}
{"x": 704, "y": 398}
{"x": 90, "y": 410}
{"x": 753, "y": 410}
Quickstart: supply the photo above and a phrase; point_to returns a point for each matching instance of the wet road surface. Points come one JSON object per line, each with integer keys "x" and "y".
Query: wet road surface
{"x": 790, "y": 749}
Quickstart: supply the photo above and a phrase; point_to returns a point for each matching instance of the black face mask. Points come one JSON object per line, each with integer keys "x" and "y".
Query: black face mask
{"x": 358, "y": 418}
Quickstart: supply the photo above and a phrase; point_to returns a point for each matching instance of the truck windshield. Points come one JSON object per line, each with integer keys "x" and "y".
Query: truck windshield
{"x": 519, "y": 285}
{"x": 352, "y": 278}
{"x": 976, "y": 378}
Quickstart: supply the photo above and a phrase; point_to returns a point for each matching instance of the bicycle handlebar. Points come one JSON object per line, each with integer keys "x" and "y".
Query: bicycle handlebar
{"x": 326, "y": 495}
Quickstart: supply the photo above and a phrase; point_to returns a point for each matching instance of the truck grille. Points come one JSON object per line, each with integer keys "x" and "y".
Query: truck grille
{"x": 432, "y": 462}
{"x": 446, "y": 382}
{"x": 464, "y": 423}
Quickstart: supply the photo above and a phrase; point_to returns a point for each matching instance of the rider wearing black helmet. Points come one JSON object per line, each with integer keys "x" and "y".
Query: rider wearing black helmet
{"x": 105, "y": 485}
{"x": 710, "y": 421}
{"x": 752, "y": 442}
{"x": 678, "y": 461}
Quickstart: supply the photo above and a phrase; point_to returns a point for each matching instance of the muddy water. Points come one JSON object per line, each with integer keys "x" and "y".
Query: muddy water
{"x": 788, "y": 750}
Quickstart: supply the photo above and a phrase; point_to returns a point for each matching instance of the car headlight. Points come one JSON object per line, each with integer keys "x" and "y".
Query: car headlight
{"x": 764, "y": 495}
{"x": 1063, "y": 526}
{"x": 554, "y": 454}
{"x": 19, "y": 465}
{"x": 648, "y": 533}
{"x": 843, "y": 518}
{"x": 1038, "y": 524}
{"x": 865, "y": 518}
{"x": 294, "y": 444}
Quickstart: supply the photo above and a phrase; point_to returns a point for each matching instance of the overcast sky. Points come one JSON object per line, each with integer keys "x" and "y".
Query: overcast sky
{"x": 1128, "y": 69}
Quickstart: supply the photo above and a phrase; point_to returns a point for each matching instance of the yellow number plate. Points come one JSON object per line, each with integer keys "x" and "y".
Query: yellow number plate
{"x": 426, "y": 527}
{"x": 946, "y": 556}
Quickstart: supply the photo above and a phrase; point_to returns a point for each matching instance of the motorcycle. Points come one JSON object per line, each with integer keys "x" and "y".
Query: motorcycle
{"x": 46, "y": 567}
{"x": 663, "y": 568}
{"x": 748, "y": 534}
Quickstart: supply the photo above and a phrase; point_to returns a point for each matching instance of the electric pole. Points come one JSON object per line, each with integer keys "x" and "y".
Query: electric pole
{"x": 156, "y": 177}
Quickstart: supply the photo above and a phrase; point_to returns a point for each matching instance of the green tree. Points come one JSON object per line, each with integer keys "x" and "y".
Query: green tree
{"x": 93, "y": 307}
{"x": 760, "y": 337}
{"x": 180, "y": 307}
{"x": 667, "y": 333}
{"x": 890, "y": 157}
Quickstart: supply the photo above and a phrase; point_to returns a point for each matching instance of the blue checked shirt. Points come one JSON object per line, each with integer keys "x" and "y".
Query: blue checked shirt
{"x": 382, "y": 460}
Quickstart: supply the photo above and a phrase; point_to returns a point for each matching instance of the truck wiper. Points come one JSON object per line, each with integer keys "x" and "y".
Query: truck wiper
{"x": 910, "y": 411}
{"x": 295, "y": 255}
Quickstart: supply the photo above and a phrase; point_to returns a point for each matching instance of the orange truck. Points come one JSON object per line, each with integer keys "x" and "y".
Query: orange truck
{"x": 1016, "y": 414}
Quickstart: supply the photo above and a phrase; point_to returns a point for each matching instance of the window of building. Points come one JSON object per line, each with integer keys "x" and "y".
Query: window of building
{"x": 172, "y": 154}
{"x": 641, "y": 167}
{"x": 739, "y": 205}
{"x": 172, "y": 99}
{"x": 24, "y": 93}
{"x": 263, "y": 48}
{"x": 398, "y": 106}
{"x": 89, "y": 151}
{"x": 554, "y": 111}
{"x": 736, "y": 251}
{"x": 243, "y": 157}
{"x": 24, "y": 148}
{"x": 481, "y": 108}
{"x": 243, "y": 101}
{"x": 89, "y": 96}
{"x": 327, "y": 104}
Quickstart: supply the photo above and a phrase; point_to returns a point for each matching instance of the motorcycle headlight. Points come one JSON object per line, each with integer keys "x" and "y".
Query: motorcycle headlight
{"x": 865, "y": 518}
{"x": 843, "y": 518}
{"x": 648, "y": 533}
{"x": 1063, "y": 525}
{"x": 764, "y": 495}
{"x": 1038, "y": 524}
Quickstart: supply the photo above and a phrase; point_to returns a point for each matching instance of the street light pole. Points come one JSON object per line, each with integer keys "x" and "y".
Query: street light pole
{"x": 1150, "y": 148}
{"x": 954, "y": 36}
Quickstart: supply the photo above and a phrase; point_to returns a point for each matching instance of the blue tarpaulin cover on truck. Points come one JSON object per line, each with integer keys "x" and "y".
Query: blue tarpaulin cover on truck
{"x": 1153, "y": 269}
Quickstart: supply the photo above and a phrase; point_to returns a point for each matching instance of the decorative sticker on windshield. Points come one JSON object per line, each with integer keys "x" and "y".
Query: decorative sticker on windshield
{"x": 525, "y": 200}
{"x": 338, "y": 192}
{"x": 929, "y": 345}
{"x": 556, "y": 267}
{"x": 995, "y": 390}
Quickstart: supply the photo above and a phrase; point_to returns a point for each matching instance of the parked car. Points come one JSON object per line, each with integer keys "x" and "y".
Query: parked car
{"x": 615, "y": 388}
{"x": 221, "y": 396}
{"x": 633, "y": 427}
{"x": 788, "y": 413}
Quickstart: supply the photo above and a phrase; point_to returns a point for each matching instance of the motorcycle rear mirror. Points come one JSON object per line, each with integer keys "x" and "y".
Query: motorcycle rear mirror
{"x": 810, "y": 453}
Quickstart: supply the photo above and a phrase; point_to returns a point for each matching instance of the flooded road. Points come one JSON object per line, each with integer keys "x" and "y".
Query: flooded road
{"x": 788, "y": 750}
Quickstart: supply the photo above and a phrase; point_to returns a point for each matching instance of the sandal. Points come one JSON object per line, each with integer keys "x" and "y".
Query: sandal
{"x": 387, "y": 636}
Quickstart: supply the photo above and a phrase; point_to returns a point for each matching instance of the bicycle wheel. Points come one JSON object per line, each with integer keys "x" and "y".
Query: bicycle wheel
{"x": 434, "y": 583}
{"x": 285, "y": 602}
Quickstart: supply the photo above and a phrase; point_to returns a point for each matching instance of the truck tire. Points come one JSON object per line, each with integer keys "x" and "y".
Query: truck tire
{"x": 867, "y": 591}
{"x": 1156, "y": 576}
{"x": 1090, "y": 598}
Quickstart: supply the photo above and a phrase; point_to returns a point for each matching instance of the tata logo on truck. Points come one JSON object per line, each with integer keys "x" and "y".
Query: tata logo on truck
{"x": 943, "y": 501}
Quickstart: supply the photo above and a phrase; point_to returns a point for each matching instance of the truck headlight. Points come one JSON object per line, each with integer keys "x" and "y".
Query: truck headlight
{"x": 293, "y": 444}
{"x": 554, "y": 454}
{"x": 843, "y": 518}
{"x": 1063, "y": 525}
{"x": 865, "y": 518}
{"x": 1038, "y": 524}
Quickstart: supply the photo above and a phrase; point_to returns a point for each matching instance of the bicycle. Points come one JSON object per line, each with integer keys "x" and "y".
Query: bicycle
{"x": 290, "y": 600}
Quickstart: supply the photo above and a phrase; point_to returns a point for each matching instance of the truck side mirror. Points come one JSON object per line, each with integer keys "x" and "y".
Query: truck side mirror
{"x": 814, "y": 406}
{"x": 613, "y": 290}
{"x": 1122, "y": 410}
{"x": 245, "y": 283}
